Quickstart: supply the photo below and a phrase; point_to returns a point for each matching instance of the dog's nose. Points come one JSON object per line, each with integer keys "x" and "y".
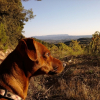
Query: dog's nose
{"x": 64, "y": 64}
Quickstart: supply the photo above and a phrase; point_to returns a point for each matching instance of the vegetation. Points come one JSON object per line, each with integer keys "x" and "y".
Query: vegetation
{"x": 12, "y": 18}
{"x": 94, "y": 46}
{"x": 75, "y": 48}
{"x": 62, "y": 50}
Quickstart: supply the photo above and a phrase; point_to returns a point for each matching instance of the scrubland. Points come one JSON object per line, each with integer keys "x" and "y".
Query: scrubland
{"x": 80, "y": 79}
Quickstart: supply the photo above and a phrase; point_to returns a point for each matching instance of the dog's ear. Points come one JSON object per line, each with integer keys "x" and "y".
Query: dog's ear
{"x": 27, "y": 46}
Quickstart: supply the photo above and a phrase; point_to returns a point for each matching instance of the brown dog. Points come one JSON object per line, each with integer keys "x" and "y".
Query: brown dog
{"x": 30, "y": 58}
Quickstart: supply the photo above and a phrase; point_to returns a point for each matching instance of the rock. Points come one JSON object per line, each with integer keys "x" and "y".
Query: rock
{"x": 64, "y": 64}
{"x": 2, "y": 55}
{"x": 8, "y": 51}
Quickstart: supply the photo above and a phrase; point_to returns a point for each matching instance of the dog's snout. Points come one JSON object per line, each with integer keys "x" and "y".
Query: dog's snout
{"x": 56, "y": 68}
{"x": 64, "y": 64}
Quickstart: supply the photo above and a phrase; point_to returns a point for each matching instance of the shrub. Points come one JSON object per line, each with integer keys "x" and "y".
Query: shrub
{"x": 94, "y": 46}
{"x": 76, "y": 48}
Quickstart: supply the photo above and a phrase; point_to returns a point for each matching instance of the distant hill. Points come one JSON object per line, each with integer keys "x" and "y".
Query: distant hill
{"x": 84, "y": 41}
{"x": 61, "y": 37}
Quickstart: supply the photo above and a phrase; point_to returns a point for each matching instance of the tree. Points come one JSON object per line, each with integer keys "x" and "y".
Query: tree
{"x": 94, "y": 46}
{"x": 13, "y": 15}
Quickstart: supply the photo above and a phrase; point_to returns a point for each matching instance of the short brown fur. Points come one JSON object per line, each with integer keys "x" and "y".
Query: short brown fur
{"x": 30, "y": 58}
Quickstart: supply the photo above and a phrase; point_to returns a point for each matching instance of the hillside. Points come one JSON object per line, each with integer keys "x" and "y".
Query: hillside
{"x": 84, "y": 41}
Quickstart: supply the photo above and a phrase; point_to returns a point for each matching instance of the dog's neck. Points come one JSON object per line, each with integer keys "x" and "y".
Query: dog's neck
{"x": 14, "y": 74}
{"x": 9, "y": 95}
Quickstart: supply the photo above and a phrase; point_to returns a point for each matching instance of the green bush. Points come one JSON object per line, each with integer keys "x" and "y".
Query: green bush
{"x": 94, "y": 46}
{"x": 76, "y": 48}
{"x": 62, "y": 50}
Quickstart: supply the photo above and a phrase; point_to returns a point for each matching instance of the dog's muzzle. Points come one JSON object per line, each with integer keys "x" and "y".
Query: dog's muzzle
{"x": 55, "y": 70}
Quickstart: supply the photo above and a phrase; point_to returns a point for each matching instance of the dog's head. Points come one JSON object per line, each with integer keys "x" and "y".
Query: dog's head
{"x": 38, "y": 59}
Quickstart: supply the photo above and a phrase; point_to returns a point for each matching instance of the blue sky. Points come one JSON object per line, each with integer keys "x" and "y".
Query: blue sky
{"x": 73, "y": 17}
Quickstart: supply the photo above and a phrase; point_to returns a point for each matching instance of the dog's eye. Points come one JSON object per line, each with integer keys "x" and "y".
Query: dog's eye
{"x": 47, "y": 54}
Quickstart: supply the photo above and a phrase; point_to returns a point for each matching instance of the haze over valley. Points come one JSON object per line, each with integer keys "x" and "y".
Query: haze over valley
{"x": 61, "y": 38}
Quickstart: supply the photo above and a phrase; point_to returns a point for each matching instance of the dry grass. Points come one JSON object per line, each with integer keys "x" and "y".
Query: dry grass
{"x": 79, "y": 81}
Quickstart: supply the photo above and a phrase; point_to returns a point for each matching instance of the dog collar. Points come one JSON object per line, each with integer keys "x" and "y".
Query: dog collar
{"x": 7, "y": 94}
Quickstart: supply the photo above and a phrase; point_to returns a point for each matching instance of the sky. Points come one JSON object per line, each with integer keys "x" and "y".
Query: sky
{"x": 72, "y": 17}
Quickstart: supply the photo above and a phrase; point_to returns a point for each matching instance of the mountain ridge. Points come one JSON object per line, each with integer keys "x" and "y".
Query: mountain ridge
{"x": 61, "y": 37}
